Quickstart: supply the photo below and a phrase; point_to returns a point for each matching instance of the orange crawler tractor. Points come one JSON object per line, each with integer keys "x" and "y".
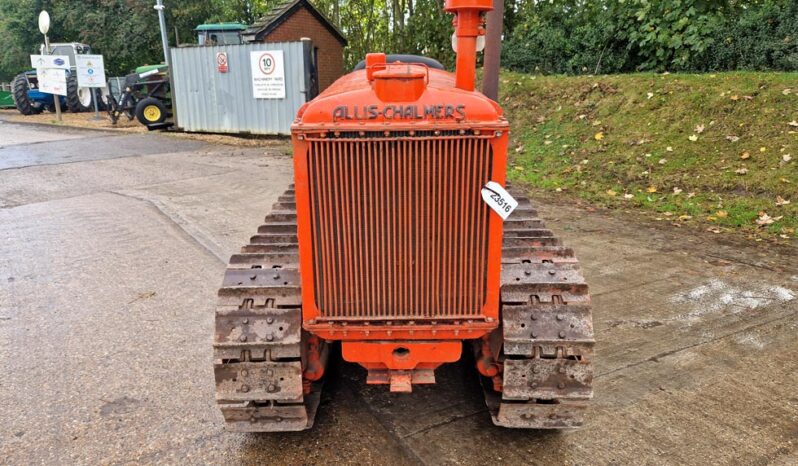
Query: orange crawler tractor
{"x": 399, "y": 241}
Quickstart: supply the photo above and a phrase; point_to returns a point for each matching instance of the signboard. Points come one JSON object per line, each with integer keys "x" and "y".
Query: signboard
{"x": 221, "y": 62}
{"x": 91, "y": 70}
{"x": 50, "y": 61}
{"x": 268, "y": 74}
{"x": 52, "y": 81}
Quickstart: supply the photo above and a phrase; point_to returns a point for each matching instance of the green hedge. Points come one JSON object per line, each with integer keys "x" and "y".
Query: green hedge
{"x": 613, "y": 36}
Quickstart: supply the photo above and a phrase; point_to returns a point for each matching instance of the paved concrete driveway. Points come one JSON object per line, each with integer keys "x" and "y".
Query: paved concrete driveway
{"x": 112, "y": 248}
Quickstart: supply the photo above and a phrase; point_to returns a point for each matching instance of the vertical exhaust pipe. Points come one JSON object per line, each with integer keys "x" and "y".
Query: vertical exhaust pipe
{"x": 468, "y": 24}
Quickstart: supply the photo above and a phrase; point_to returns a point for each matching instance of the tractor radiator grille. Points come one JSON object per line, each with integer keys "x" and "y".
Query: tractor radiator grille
{"x": 399, "y": 229}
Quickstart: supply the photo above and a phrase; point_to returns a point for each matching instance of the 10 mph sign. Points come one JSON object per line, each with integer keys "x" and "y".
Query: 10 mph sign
{"x": 268, "y": 74}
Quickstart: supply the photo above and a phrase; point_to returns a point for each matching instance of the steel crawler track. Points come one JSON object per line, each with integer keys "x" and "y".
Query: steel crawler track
{"x": 258, "y": 343}
{"x": 546, "y": 337}
{"x": 546, "y": 332}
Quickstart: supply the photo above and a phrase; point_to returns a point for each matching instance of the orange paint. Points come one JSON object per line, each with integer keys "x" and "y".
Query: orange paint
{"x": 397, "y": 249}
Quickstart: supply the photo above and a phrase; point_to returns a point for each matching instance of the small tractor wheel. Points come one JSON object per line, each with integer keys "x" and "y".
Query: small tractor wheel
{"x": 151, "y": 111}
{"x": 79, "y": 99}
{"x": 21, "y": 99}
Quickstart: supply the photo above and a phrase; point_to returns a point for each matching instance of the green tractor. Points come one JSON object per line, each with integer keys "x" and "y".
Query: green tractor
{"x": 6, "y": 96}
{"x": 146, "y": 96}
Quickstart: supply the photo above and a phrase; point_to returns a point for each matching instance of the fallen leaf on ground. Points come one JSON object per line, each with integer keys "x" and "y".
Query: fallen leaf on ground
{"x": 732, "y": 138}
{"x": 699, "y": 129}
{"x": 663, "y": 161}
{"x": 689, "y": 195}
{"x": 669, "y": 149}
{"x": 693, "y": 138}
{"x": 735, "y": 97}
{"x": 519, "y": 168}
{"x": 598, "y": 136}
{"x": 745, "y": 155}
{"x": 765, "y": 219}
{"x": 677, "y": 190}
{"x": 652, "y": 189}
{"x": 611, "y": 192}
{"x": 685, "y": 217}
{"x": 650, "y": 95}
{"x": 786, "y": 157}
{"x": 793, "y": 123}
{"x": 763, "y": 149}
{"x": 547, "y": 142}
{"x": 628, "y": 196}
{"x": 519, "y": 149}
{"x": 786, "y": 91}
{"x": 721, "y": 214}
{"x": 741, "y": 171}
{"x": 781, "y": 201}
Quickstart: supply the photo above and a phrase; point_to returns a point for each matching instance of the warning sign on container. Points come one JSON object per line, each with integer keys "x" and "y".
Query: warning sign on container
{"x": 221, "y": 62}
{"x": 268, "y": 74}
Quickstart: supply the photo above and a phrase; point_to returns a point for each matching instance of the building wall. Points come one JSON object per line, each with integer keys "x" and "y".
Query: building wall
{"x": 330, "y": 51}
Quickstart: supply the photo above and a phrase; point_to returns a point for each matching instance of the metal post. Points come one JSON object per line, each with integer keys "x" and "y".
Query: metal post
{"x": 56, "y": 97}
{"x": 94, "y": 93}
{"x": 493, "y": 50}
{"x": 159, "y": 6}
{"x": 164, "y": 38}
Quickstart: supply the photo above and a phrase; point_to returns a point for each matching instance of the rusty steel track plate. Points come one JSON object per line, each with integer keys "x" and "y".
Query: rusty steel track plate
{"x": 547, "y": 331}
{"x": 258, "y": 333}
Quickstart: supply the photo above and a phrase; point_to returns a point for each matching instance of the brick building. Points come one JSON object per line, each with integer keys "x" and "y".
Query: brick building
{"x": 292, "y": 20}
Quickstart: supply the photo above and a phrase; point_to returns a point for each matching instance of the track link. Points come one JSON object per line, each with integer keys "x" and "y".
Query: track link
{"x": 547, "y": 331}
{"x": 259, "y": 345}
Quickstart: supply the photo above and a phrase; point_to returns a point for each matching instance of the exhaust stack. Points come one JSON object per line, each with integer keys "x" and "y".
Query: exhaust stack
{"x": 468, "y": 26}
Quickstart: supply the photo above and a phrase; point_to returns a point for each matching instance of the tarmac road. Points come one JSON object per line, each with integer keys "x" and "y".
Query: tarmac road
{"x": 112, "y": 248}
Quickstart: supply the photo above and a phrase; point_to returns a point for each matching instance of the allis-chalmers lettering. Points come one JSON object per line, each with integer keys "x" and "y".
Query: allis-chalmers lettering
{"x": 397, "y": 112}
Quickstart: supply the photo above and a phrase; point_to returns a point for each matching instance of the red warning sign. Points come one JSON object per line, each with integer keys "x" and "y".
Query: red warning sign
{"x": 221, "y": 62}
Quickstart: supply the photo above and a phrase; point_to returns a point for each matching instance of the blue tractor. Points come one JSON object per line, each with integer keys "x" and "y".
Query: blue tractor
{"x": 29, "y": 100}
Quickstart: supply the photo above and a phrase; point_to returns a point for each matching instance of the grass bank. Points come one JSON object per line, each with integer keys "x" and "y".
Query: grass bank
{"x": 717, "y": 150}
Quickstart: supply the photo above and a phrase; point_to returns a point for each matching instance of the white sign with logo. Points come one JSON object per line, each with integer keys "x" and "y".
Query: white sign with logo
{"x": 91, "y": 70}
{"x": 50, "y": 61}
{"x": 268, "y": 74}
{"x": 52, "y": 81}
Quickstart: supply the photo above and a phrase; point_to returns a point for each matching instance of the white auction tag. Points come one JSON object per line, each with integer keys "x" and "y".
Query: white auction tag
{"x": 498, "y": 199}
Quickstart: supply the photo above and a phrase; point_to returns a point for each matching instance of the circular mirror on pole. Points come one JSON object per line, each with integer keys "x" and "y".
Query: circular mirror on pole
{"x": 44, "y": 22}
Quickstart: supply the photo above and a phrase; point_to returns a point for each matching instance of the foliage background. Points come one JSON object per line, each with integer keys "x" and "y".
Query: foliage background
{"x": 543, "y": 36}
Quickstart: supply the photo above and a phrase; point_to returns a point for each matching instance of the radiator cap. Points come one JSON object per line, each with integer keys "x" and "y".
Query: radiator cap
{"x": 400, "y": 82}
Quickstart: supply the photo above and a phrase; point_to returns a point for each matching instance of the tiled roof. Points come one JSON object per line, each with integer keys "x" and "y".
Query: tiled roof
{"x": 281, "y": 12}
